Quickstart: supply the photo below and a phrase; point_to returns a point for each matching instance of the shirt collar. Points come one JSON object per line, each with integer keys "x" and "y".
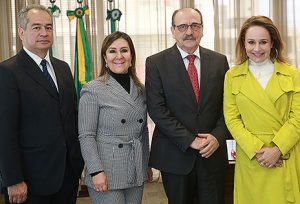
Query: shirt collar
{"x": 35, "y": 57}
{"x": 185, "y": 54}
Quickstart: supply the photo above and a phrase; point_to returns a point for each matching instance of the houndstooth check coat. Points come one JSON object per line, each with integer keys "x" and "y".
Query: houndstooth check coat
{"x": 113, "y": 132}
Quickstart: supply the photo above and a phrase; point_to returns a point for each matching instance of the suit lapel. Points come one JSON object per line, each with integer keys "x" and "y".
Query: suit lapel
{"x": 133, "y": 90}
{"x": 205, "y": 63}
{"x": 59, "y": 78}
{"x": 120, "y": 92}
{"x": 280, "y": 83}
{"x": 181, "y": 71}
{"x": 33, "y": 70}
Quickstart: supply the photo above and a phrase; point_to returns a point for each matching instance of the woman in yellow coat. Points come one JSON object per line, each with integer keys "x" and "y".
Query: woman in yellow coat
{"x": 262, "y": 112}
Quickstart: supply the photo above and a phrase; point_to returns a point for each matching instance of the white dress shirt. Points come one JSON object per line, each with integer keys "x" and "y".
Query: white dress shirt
{"x": 196, "y": 62}
{"x": 38, "y": 60}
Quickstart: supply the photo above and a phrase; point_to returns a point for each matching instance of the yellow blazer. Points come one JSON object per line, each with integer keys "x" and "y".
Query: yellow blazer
{"x": 258, "y": 117}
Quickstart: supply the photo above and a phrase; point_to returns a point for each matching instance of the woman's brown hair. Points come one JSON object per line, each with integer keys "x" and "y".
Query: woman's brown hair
{"x": 267, "y": 23}
{"x": 132, "y": 69}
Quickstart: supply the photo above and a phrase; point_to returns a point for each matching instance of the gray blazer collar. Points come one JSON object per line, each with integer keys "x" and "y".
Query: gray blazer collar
{"x": 118, "y": 90}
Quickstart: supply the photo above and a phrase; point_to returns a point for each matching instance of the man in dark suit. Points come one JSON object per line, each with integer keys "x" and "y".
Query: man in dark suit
{"x": 40, "y": 158}
{"x": 188, "y": 144}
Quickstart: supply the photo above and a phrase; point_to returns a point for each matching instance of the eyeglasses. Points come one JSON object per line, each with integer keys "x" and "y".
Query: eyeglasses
{"x": 184, "y": 27}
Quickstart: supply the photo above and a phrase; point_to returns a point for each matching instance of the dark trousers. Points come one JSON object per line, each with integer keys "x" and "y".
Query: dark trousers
{"x": 200, "y": 186}
{"x": 66, "y": 195}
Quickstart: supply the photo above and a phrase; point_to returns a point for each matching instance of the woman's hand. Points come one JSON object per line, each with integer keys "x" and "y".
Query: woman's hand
{"x": 100, "y": 182}
{"x": 269, "y": 157}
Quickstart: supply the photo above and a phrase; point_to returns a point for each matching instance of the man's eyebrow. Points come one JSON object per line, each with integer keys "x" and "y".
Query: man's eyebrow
{"x": 39, "y": 24}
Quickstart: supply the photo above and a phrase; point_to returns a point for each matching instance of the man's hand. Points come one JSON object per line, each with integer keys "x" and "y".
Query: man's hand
{"x": 197, "y": 143}
{"x": 17, "y": 193}
{"x": 208, "y": 145}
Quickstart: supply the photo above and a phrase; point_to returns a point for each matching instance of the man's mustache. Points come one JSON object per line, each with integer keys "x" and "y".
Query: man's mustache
{"x": 189, "y": 37}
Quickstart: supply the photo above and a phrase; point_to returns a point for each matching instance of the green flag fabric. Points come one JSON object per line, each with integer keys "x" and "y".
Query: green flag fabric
{"x": 83, "y": 60}
{"x": 55, "y": 10}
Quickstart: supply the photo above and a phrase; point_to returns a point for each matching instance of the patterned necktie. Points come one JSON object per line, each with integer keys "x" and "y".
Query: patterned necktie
{"x": 193, "y": 75}
{"x": 46, "y": 74}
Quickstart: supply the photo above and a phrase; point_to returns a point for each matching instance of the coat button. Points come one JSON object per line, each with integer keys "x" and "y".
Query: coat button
{"x": 140, "y": 120}
{"x": 123, "y": 121}
{"x": 120, "y": 145}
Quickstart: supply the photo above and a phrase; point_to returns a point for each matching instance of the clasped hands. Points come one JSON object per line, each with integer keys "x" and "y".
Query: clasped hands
{"x": 269, "y": 157}
{"x": 206, "y": 144}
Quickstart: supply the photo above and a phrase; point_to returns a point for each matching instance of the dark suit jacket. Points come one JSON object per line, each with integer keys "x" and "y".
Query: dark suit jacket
{"x": 38, "y": 126}
{"x": 176, "y": 114}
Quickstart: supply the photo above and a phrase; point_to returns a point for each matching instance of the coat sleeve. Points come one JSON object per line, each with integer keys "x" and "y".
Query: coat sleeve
{"x": 88, "y": 115}
{"x": 247, "y": 142}
{"x": 289, "y": 134}
{"x": 10, "y": 159}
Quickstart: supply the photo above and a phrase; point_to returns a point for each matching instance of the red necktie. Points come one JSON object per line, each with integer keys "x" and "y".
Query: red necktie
{"x": 193, "y": 75}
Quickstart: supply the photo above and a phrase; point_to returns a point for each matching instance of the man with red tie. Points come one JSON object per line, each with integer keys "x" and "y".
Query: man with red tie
{"x": 184, "y": 86}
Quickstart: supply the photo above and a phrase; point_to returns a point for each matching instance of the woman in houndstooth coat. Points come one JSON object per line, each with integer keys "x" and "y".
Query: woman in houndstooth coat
{"x": 113, "y": 129}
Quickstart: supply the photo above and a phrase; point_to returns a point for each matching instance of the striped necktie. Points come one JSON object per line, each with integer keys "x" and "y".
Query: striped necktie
{"x": 46, "y": 74}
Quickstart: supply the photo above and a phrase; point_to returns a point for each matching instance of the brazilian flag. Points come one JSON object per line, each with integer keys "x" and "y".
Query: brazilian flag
{"x": 83, "y": 58}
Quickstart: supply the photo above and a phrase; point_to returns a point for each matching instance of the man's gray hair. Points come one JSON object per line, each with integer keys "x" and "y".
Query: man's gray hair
{"x": 23, "y": 14}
